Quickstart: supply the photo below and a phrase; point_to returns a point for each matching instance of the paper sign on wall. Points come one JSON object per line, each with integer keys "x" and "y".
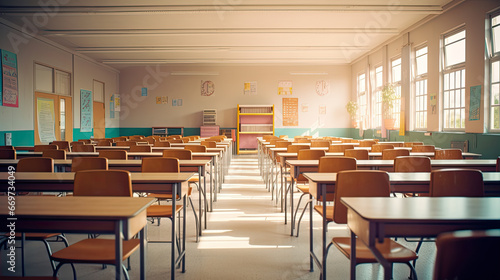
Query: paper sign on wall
{"x": 475, "y": 101}
{"x": 285, "y": 88}
{"x": 9, "y": 92}
{"x": 250, "y": 88}
{"x": 46, "y": 119}
{"x": 290, "y": 111}
{"x": 86, "y": 112}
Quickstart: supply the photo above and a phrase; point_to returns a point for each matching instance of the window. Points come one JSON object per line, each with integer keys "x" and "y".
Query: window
{"x": 98, "y": 91}
{"x": 396, "y": 81}
{"x": 420, "y": 102}
{"x": 454, "y": 80}
{"x": 361, "y": 96}
{"x": 51, "y": 80}
{"x": 494, "y": 45}
{"x": 377, "y": 97}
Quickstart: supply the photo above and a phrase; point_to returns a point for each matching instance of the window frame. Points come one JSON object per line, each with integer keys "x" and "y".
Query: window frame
{"x": 361, "y": 96}
{"x": 493, "y": 58}
{"x": 418, "y": 79}
{"x": 377, "y": 98}
{"x": 396, "y": 110}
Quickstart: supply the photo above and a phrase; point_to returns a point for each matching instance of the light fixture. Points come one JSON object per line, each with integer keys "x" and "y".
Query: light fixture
{"x": 308, "y": 73}
{"x": 187, "y": 73}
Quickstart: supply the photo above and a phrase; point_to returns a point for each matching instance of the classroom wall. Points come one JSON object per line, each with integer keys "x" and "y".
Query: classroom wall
{"x": 20, "y": 121}
{"x": 140, "y": 113}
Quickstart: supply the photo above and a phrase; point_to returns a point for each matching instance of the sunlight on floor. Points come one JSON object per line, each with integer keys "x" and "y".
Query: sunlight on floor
{"x": 230, "y": 242}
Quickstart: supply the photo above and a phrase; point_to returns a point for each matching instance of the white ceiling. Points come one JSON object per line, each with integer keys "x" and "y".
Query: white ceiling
{"x": 222, "y": 31}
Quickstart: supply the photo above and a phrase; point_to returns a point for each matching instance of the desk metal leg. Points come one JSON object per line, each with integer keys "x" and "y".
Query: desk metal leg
{"x": 353, "y": 256}
{"x": 118, "y": 249}
{"x": 173, "y": 233}
{"x": 143, "y": 251}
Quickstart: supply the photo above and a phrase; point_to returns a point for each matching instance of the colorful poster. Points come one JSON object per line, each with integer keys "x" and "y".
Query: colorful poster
{"x": 9, "y": 94}
{"x": 285, "y": 88}
{"x": 250, "y": 88}
{"x": 158, "y": 100}
{"x": 86, "y": 112}
{"x": 144, "y": 91}
{"x": 164, "y": 99}
{"x": 46, "y": 119}
{"x": 475, "y": 102}
{"x": 117, "y": 103}
{"x": 207, "y": 88}
{"x": 290, "y": 112}
{"x": 112, "y": 107}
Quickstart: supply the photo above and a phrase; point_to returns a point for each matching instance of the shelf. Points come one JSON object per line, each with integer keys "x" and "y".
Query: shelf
{"x": 253, "y": 121}
{"x": 256, "y": 132}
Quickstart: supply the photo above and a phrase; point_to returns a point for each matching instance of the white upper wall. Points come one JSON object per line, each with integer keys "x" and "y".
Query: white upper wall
{"x": 140, "y": 111}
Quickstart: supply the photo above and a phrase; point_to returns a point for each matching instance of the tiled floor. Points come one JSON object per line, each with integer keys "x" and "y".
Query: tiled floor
{"x": 246, "y": 239}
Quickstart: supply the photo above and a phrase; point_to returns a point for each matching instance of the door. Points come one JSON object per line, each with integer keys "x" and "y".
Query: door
{"x": 99, "y": 121}
{"x": 53, "y": 118}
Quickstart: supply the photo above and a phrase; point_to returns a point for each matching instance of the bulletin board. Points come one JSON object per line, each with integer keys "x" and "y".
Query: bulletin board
{"x": 290, "y": 112}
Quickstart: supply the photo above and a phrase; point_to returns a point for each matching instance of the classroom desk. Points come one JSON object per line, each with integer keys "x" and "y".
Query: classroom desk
{"x": 324, "y": 184}
{"x": 373, "y": 219}
{"x": 121, "y": 216}
{"x": 176, "y": 183}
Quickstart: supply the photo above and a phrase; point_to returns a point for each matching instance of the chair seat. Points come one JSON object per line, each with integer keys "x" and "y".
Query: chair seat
{"x": 390, "y": 249}
{"x": 161, "y": 195}
{"x": 329, "y": 212}
{"x": 36, "y": 235}
{"x": 303, "y": 188}
{"x": 95, "y": 251}
{"x": 162, "y": 210}
{"x": 29, "y": 278}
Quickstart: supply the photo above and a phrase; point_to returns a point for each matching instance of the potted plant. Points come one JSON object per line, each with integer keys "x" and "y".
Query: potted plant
{"x": 352, "y": 109}
{"x": 389, "y": 97}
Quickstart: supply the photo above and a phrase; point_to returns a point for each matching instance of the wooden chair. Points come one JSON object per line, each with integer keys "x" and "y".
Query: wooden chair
{"x": 320, "y": 143}
{"x": 8, "y": 154}
{"x": 7, "y": 148}
{"x": 113, "y": 154}
{"x": 297, "y": 148}
{"x": 378, "y": 148}
{"x": 178, "y": 153}
{"x": 411, "y": 144}
{"x": 175, "y": 141}
{"x": 467, "y": 255}
{"x": 328, "y": 164}
{"x": 41, "y": 148}
{"x": 35, "y": 164}
{"x": 498, "y": 164}
{"x": 303, "y": 140}
{"x": 448, "y": 154}
{"x": 75, "y": 143}
{"x": 390, "y": 154}
{"x": 215, "y": 138}
{"x": 89, "y": 163}
{"x": 359, "y": 154}
{"x": 364, "y": 183}
{"x": 88, "y": 148}
{"x": 166, "y": 164}
{"x": 126, "y": 143}
{"x": 185, "y": 139}
{"x": 282, "y": 144}
{"x": 140, "y": 149}
{"x": 62, "y": 145}
{"x": 105, "y": 142}
{"x": 98, "y": 250}
{"x": 209, "y": 144}
{"x": 150, "y": 140}
{"x": 196, "y": 148}
{"x": 367, "y": 143}
{"x": 423, "y": 148}
{"x": 55, "y": 154}
{"x": 85, "y": 141}
{"x": 136, "y": 137}
{"x": 340, "y": 148}
{"x": 412, "y": 164}
{"x": 162, "y": 144}
{"x": 119, "y": 139}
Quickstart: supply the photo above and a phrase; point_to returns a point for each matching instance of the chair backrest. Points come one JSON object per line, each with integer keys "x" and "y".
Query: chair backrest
{"x": 390, "y": 154}
{"x": 113, "y": 154}
{"x": 175, "y": 141}
{"x": 62, "y": 145}
{"x": 83, "y": 148}
{"x": 178, "y": 153}
{"x": 174, "y": 137}
{"x": 303, "y": 140}
{"x": 377, "y": 148}
{"x": 448, "y": 154}
{"x": 336, "y": 164}
{"x": 196, "y": 148}
{"x": 75, "y": 143}
{"x": 162, "y": 144}
{"x": 367, "y": 143}
{"x": 268, "y": 137}
{"x": 308, "y": 154}
{"x": 136, "y": 137}
{"x": 358, "y": 183}
{"x": 282, "y": 144}
{"x": 105, "y": 142}
{"x": 412, "y": 164}
{"x": 273, "y": 141}
{"x": 297, "y": 148}
{"x": 7, "y": 154}
{"x": 41, "y": 148}
{"x": 498, "y": 164}
{"x": 320, "y": 143}
{"x": 126, "y": 143}
{"x": 55, "y": 154}
{"x": 411, "y": 144}
{"x": 140, "y": 149}
{"x": 456, "y": 182}
{"x": 35, "y": 164}
{"x": 89, "y": 163}
{"x": 359, "y": 154}
{"x": 121, "y": 138}
{"x": 209, "y": 144}
{"x": 467, "y": 255}
{"x": 102, "y": 183}
{"x": 423, "y": 148}
{"x": 160, "y": 164}
{"x": 85, "y": 141}
{"x": 340, "y": 148}
{"x": 7, "y": 148}
{"x": 185, "y": 139}
{"x": 150, "y": 140}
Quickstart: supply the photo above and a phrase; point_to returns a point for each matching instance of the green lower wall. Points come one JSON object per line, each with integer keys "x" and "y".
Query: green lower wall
{"x": 19, "y": 137}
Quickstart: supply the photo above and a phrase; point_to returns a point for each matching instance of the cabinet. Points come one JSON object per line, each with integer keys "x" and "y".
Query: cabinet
{"x": 168, "y": 130}
{"x": 209, "y": 130}
{"x": 209, "y": 117}
{"x": 253, "y": 121}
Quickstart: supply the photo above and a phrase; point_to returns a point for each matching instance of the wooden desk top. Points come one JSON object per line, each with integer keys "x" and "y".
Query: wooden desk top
{"x": 455, "y": 163}
{"x": 436, "y": 210}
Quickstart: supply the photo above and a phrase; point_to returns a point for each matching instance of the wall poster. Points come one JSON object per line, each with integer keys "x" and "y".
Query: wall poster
{"x": 86, "y": 112}
{"x": 46, "y": 119}
{"x": 285, "y": 87}
{"x": 475, "y": 101}
{"x": 9, "y": 90}
{"x": 250, "y": 88}
{"x": 290, "y": 112}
